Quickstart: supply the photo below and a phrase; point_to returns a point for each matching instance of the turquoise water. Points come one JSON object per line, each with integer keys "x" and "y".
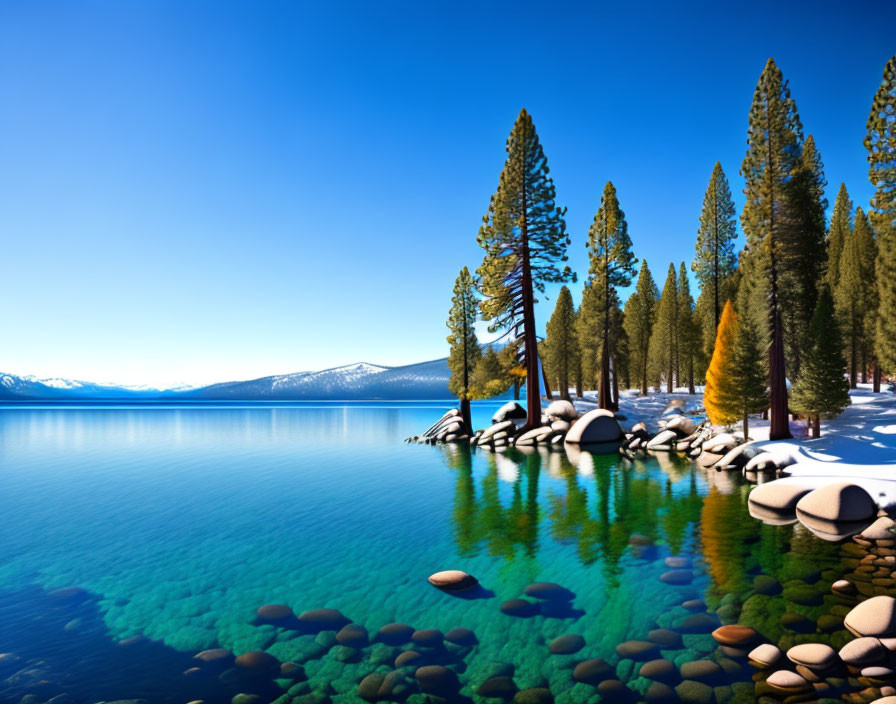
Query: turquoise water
{"x": 181, "y": 521}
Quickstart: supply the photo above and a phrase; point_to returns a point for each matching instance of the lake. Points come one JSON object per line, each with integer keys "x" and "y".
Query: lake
{"x": 133, "y": 537}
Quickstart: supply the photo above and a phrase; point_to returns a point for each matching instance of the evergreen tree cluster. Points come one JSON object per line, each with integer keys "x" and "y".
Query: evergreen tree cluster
{"x": 804, "y": 301}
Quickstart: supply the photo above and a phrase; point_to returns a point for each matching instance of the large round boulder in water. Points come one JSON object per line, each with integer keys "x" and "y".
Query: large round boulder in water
{"x": 830, "y": 506}
{"x": 452, "y": 580}
{"x": 595, "y": 426}
{"x": 561, "y": 410}
{"x": 776, "y": 499}
{"x": 509, "y": 411}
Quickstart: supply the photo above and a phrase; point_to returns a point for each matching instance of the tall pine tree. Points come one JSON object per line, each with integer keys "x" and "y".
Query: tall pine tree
{"x": 855, "y": 296}
{"x": 524, "y": 238}
{"x": 612, "y": 265}
{"x": 773, "y": 154}
{"x": 803, "y": 250}
{"x": 841, "y": 227}
{"x": 715, "y": 259}
{"x": 561, "y": 344}
{"x": 689, "y": 335}
{"x": 880, "y": 141}
{"x": 748, "y": 369}
{"x": 465, "y": 351}
{"x": 664, "y": 339}
{"x": 640, "y": 314}
{"x": 821, "y": 390}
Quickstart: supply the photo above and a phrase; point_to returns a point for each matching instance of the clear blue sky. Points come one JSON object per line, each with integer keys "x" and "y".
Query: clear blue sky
{"x": 200, "y": 191}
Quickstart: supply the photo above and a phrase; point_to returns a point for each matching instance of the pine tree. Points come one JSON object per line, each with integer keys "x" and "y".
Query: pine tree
{"x": 880, "y": 141}
{"x": 749, "y": 371}
{"x": 561, "y": 344}
{"x": 612, "y": 265}
{"x": 822, "y": 391}
{"x": 640, "y": 315}
{"x": 589, "y": 325}
{"x": 689, "y": 335}
{"x": 524, "y": 238}
{"x": 803, "y": 250}
{"x": 773, "y": 154}
{"x": 490, "y": 378}
{"x": 855, "y": 295}
{"x": 841, "y": 227}
{"x": 465, "y": 350}
{"x": 715, "y": 259}
{"x": 720, "y": 396}
{"x": 664, "y": 338}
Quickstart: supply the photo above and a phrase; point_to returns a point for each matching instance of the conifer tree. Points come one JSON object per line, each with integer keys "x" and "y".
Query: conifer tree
{"x": 803, "y": 249}
{"x": 640, "y": 314}
{"x": 524, "y": 238}
{"x": 841, "y": 227}
{"x": 880, "y": 141}
{"x": 774, "y": 141}
{"x": 689, "y": 335}
{"x": 589, "y": 324}
{"x": 749, "y": 370}
{"x": 855, "y": 295}
{"x": 612, "y": 265}
{"x": 561, "y": 344}
{"x": 465, "y": 351}
{"x": 490, "y": 377}
{"x": 715, "y": 258}
{"x": 664, "y": 339}
{"x": 822, "y": 391}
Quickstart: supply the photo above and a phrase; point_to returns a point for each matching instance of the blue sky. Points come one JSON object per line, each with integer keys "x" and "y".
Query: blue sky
{"x": 200, "y": 191}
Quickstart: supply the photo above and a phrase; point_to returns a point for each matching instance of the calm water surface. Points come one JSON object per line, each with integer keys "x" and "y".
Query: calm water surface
{"x": 179, "y": 522}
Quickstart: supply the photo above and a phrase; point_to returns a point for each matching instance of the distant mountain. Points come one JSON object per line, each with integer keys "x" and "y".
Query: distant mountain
{"x": 29, "y": 388}
{"x": 353, "y": 382}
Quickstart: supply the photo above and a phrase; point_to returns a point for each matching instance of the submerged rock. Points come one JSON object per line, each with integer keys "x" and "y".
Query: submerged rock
{"x": 323, "y": 619}
{"x": 519, "y": 607}
{"x": 549, "y": 590}
{"x": 766, "y": 655}
{"x": 735, "y": 635}
{"x": 435, "y": 679}
{"x": 863, "y": 651}
{"x": 258, "y": 662}
{"x": 395, "y": 633}
{"x": 817, "y": 656}
{"x": 593, "y": 671}
{"x": 567, "y": 644}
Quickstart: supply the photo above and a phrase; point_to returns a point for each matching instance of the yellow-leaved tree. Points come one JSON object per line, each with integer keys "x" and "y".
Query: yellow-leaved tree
{"x": 721, "y": 397}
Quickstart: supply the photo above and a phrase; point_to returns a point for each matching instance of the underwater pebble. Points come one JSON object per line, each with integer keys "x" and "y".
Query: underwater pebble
{"x": 660, "y": 669}
{"x": 258, "y": 661}
{"x": 677, "y": 577}
{"x": 497, "y": 687}
{"x": 353, "y": 635}
{"x": 428, "y": 638}
{"x": 549, "y": 590}
{"x": 408, "y": 657}
{"x": 395, "y": 633}
{"x": 461, "y": 636}
{"x": 873, "y": 617}
{"x": 734, "y": 635}
{"x": 637, "y": 649}
{"x": 593, "y": 671}
{"x": 436, "y": 678}
{"x": 567, "y": 644}
{"x": 323, "y": 619}
{"x": 519, "y": 607}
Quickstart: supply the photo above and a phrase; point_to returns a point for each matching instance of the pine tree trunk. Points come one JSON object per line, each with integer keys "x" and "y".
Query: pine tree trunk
{"x": 615, "y": 386}
{"x": 853, "y": 359}
{"x": 465, "y": 415}
{"x": 516, "y": 388}
{"x": 547, "y": 386}
{"x": 580, "y": 385}
{"x": 644, "y": 376}
{"x": 691, "y": 389}
{"x": 875, "y": 376}
{"x": 864, "y": 365}
{"x": 670, "y": 386}
{"x": 746, "y": 426}
{"x": 779, "y": 426}
{"x": 816, "y": 426}
{"x": 533, "y": 398}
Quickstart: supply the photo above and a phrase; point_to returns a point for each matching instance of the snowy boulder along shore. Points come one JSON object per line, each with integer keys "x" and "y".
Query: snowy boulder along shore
{"x": 449, "y": 428}
{"x": 597, "y": 426}
{"x": 561, "y": 410}
{"x": 509, "y": 411}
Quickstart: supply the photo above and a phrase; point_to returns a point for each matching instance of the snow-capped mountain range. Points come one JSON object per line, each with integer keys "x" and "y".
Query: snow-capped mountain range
{"x": 352, "y": 382}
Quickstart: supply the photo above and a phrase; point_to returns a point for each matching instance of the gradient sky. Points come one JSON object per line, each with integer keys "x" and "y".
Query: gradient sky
{"x": 202, "y": 191}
